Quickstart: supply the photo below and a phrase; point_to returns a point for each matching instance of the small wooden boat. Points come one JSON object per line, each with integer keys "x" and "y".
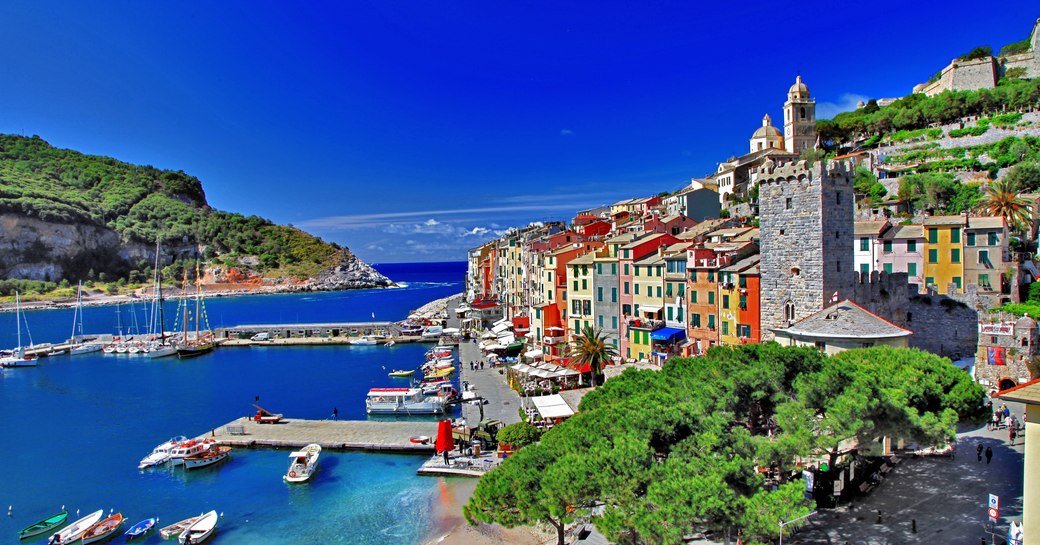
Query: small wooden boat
{"x": 303, "y": 463}
{"x": 73, "y": 531}
{"x": 440, "y": 373}
{"x": 207, "y": 457}
{"x": 44, "y": 525}
{"x": 200, "y": 531}
{"x": 103, "y": 529}
{"x": 141, "y": 528}
{"x": 401, "y": 373}
{"x": 177, "y": 528}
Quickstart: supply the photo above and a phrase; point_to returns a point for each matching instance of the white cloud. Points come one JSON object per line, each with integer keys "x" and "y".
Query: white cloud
{"x": 431, "y": 222}
{"x": 367, "y": 221}
{"x": 566, "y": 132}
{"x": 847, "y": 103}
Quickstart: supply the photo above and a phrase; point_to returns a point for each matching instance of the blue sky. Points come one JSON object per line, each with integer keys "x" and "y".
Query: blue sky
{"x": 411, "y": 131}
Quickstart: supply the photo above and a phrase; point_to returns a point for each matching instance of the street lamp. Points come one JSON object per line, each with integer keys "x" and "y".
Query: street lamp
{"x": 783, "y": 523}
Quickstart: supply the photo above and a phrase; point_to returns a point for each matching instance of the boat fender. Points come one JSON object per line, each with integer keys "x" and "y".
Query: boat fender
{"x": 292, "y": 474}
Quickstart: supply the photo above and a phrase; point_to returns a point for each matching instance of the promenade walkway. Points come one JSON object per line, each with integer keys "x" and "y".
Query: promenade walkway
{"x": 503, "y": 402}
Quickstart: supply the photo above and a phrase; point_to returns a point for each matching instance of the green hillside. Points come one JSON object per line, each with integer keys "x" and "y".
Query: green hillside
{"x": 141, "y": 204}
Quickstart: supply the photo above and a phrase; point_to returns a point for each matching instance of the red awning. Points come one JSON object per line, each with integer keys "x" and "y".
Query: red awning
{"x": 584, "y": 368}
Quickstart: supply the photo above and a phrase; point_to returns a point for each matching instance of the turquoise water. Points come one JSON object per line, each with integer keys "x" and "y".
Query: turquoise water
{"x": 74, "y": 428}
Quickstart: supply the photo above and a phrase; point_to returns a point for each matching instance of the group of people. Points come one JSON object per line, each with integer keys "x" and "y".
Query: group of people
{"x": 474, "y": 365}
{"x": 1002, "y": 418}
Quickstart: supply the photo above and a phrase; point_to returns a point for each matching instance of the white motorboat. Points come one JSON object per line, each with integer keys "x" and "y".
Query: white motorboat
{"x": 432, "y": 332}
{"x": 402, "y": 401}
{"x": 161, "y": 351}
{"x": 200, "y": 531}
{"x": 75, "y": 530}
{"x": 303, "y": 464}
{"x": 189, "y": 448}
{"x": 161, "y": 453}
{"x": 363, "y": 341}
{"x": 86, "y": 349}
{"x": 207, "y": 457}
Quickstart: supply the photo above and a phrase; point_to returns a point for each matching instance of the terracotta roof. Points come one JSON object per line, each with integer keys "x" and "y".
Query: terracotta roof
{"x": 637, "y": 242}
{"x": 1028, "y": 393}
{"x": 845, "y": 320}
{"x": 869, "y": 227}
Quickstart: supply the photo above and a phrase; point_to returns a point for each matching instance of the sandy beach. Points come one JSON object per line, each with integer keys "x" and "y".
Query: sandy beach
{"x": 453, "y": 529}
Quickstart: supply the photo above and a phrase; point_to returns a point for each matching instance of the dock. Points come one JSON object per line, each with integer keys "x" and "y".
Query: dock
{"x": 463, "y": 466}
{"x": 290, "y": 433}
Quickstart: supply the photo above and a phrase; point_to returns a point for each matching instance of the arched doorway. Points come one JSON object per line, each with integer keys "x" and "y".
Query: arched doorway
{"x": 1006, "y": 384}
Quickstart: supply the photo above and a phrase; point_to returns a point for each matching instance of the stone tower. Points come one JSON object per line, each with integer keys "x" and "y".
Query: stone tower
{"x": 799, "y": 118}
{"x": 806, "y": 220}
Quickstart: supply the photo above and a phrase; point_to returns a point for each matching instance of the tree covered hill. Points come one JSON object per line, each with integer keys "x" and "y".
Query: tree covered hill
{"x": 71, "y": 216}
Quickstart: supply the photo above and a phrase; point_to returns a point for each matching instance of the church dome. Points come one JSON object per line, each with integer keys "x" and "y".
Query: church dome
{"x": 767, "y": 129}
{"x": 798, "y": 91}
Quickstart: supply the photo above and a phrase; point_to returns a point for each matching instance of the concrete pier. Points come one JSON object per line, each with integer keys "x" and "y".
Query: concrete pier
{"x": 330, "y": 434}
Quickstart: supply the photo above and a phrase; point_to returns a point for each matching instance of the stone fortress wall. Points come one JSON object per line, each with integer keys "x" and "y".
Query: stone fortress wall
{"x": 983, "y": 73}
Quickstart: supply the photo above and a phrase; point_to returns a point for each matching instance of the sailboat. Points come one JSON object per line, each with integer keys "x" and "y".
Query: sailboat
{"x": 77, "y": 327}
{"x": 18, "y": 358}
{"x": 202, "y": 343}
{"x": 159, "y": 349}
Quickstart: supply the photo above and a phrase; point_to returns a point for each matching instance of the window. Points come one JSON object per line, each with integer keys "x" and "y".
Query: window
{"x": 575, "y": 285}
{"x": 864, "y": 244}
{"x": 864, "y": 268}
{"x": 626, "y": 288}
{"x": 888, "y": 268}
{"x": 789, "y": 311}
{"x": 599, "y": 294}
{"x": 668, "y": 290}
{"x": 584, "y": 283}
{"x": 837, "y": 198}
{"x": 744, "y": 331}
{"x": 933, "y": 256}
{"x": 725, "y": 301}
{"x": 984, "y": 281}
{"x": 711, "y": 321}
{"x": 929, "y": 281}
{"x": 637, "y": 288}
{"x": 637, "y": 270}
{"x": 984, "y": 257}
{"x": 886, "y": 246}
{"x": 613, "y": 268}
{"x": 725, "y": 328}
{"x": 669, "y": 313}
{"x": 599, "y": 321}
{"x": 693, "y": 297}
{"x": 911, "y": 246}
{"x": 801, "y": 112}
{"x": 599, "y": 268}
{"x": 933, "y": 236}
{"x": 742, "y": 282}
{"x": 711, "y": 276}
{"x": 626, "y": 310}
{"x": 955, "y": 235}
{"x": 693, "y": 276}
{"x": 787, "y": 204}
{"x": 955, "y": 255}
{"x": 625, "y": 255}
{"x": 743, "y": 302}
{"x": 957, "y": 281}
{"x": 626, "y": 269}
{"x": 695, "y": 320}
{"x": 911, "y": 269}
{"x": 711, "y": 298}
{"x": 613, "y": 322}
{"x": 971, "y": 239}
{"x": 586, "y": 308}
{"x": 613, "y": 295}
{"x": 658, "y": 291}
{"x": 993, "y": 239}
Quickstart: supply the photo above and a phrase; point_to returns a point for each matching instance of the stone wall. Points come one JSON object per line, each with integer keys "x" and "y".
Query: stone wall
{"x": 806, "y": 230}
{"x": 962, "y": 75}
{"x": 1030, "y": 60}
{"x": 1017, "y": 338}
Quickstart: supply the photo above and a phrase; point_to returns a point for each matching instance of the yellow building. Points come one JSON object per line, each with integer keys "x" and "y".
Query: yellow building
{"x": 647, "y": 304}
{"x": 581, "y": 293}
{"x": 943, "y": 252}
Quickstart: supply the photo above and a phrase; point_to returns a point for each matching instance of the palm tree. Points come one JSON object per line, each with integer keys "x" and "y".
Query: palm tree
{"x": 591, "y": 347}
{"x": 1002, "y": 199}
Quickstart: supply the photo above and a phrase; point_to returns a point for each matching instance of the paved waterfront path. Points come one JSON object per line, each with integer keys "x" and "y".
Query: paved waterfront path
{"x": 371, "y": 435}
{"x": 947, "y": 497}
{"x": 503, "y": 402}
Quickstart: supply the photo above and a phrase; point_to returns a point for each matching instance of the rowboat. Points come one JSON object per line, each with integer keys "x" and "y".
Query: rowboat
{"x": 200, "y": 531}
{"x": 207, "y": 457}
{"x": 304, "y": 463}
{"x": 44, "y": 525}
{"x": 440, "y": 373}
{"x": 177, "y": 528}
{"x": 401, "y": 373}
{"x": 103, "y": 529}
{"x": 141, "y": 528}
{"x": 73, "y": 531}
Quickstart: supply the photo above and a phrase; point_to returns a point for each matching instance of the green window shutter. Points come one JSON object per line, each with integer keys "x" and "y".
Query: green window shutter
{"x": 725, "y": 301}
{"x": 696, "y": 318}
{"x": 637, "y": 288}
{"x": 886, "y": 246}
{"x": 911, "y": 269}
{"x": 955, "y": 235}
{"x": 725, "y": 328}
{"x": 888, "y": 268}
{"x": 613, "y": 295}
{"x": 929, "y": 281}
{"x": 693, "y": 276}
{"x": 864, "y": 244}
{"x": 933, "y": 236}
{"x": 626, "y": 288}
{"x": 711, "y": 321}
{"x": 911, "y": 246}
{"x": 599, "y": 294}
{"x": 955, "y": 255}
{"x": 864, "y": 268}
{"x": 693, "y": 296}
{"x": 711, "y": 298}
{"x": 971, "y": 239}
{"x": 993, "y": 239}
{"x": 659, "y": 291}
{"x": 957, "y": 281}
{"x": 933, "y": 256}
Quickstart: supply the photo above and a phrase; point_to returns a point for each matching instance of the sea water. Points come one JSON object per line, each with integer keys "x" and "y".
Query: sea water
{"x": 73, "y": 429}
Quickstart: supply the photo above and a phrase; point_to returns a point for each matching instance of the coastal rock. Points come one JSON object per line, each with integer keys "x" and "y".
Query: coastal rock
{"x": 350, "y": 273}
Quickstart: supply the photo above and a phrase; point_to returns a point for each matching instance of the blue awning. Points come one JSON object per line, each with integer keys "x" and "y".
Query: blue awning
{"x": 668, "y": 334}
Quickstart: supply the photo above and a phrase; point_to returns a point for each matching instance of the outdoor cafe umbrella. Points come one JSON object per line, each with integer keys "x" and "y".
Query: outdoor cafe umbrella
{"x": 444, "y": 440}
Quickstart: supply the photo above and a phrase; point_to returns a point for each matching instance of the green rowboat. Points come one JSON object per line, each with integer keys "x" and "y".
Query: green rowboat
{"x": 44, "y": 525}
{"x": 397, "y": 373}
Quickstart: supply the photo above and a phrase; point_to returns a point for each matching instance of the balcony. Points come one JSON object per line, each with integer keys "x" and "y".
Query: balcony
{"x": 727, "y": 285}
{"x": 644, "y": 323}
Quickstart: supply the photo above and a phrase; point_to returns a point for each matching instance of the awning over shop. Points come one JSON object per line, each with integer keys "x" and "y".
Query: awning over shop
{"x": 668, "y": 334}
{"x": 501, "y": 327}
{"x": 650, "y": 309}
{"x": 533, "y": 354}
{"x": 552, "y": 406}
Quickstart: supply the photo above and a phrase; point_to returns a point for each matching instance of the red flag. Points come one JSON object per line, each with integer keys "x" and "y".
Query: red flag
{"x": 834, "y": 298}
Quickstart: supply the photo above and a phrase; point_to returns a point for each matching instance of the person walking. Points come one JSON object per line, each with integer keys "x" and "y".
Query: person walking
{"x": 1012, "y": 433}
{"x": 989, "y": 454}
{"x": 978, "y": 451}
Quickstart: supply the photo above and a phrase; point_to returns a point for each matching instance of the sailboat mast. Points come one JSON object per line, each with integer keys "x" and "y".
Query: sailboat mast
{"x": 198, "y": 291}
{"x": 158, "y": 297}
{"x": 184, "y": 287}
{"x": 18, "y": 318}
{"x": 75, "y": 312}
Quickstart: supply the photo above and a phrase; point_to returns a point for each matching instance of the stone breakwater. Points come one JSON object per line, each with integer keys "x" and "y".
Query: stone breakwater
{"x": 435, "y": 310}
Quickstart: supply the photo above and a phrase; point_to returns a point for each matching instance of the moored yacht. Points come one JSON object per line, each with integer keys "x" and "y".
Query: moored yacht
{"x": 402, "y": 401}
{"x": 303, "y": 463}
{"x": 189, "y": 448}
{"x": 161, "y": 453}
